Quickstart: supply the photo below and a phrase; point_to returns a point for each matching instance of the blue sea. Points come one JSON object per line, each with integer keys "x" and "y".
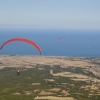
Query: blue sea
{"x": 79, "y": 43}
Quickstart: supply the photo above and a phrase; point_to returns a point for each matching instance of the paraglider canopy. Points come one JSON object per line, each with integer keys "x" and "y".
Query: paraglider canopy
{"x": 23, "y": 40}
{"x": 61, "y": 38}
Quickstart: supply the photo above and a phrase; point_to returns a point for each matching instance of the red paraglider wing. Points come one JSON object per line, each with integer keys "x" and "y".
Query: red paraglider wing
{"x": 23, "y": 40}
{"x": 61, "y": 38}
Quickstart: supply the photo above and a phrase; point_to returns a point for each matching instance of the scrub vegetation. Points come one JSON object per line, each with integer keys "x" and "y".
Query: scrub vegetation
{"x": 38, "y": 81}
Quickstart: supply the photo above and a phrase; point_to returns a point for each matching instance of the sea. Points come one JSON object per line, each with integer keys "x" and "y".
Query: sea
{"x": 76, "y": 43}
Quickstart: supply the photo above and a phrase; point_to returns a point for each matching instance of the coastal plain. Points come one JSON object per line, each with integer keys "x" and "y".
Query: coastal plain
{"x": 50, "y": 77}
{"x": 17, "y": 61}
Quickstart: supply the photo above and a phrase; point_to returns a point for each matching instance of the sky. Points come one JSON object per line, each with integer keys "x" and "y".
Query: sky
{"x": 50, "y": 14}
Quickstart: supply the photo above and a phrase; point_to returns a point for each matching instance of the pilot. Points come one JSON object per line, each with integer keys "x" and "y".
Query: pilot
{"x": 18, "y": 72}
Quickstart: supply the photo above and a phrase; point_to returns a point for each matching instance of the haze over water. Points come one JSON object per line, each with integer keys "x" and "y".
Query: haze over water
{"x": 75, "y": 42}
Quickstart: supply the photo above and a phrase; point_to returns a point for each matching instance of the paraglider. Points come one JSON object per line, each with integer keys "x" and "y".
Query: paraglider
{"x": 18, "y": 73}
{"x": 23, "y": 40}
{"x": 61, "y": 38}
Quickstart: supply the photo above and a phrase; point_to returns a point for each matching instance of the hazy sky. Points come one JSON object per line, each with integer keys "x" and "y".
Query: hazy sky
{"x": 50, "y": 14}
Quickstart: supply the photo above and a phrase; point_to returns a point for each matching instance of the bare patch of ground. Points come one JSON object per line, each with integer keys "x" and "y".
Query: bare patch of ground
{"x": 54, "y": 89}
{"x": 27, "y": 92}
{"x": 75, "y": 77}
{"x": 37, "y": 91}
{"x": 36, "y": 83}
{"x": 45, "y": 93}
{"x": 17, "y": 93}
{"x": 92, "y": 88}
{"x": 65, "y": 93}
{"x": 53, "y": 98}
